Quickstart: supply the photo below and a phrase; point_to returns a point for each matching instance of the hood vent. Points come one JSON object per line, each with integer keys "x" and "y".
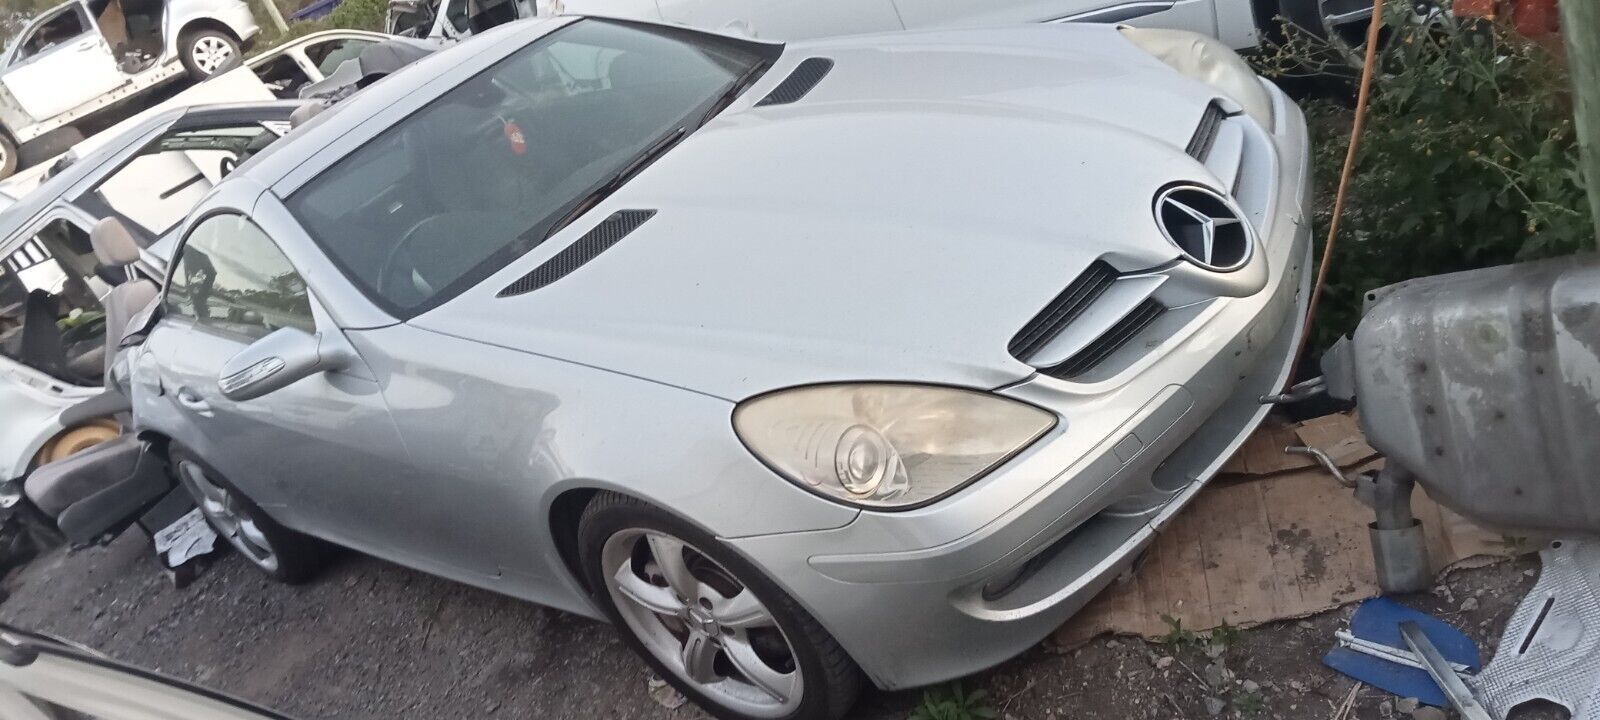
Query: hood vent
{"x": 1105, "y": 345}
{"x": 1206, "y": 135}
{"x": 1061, "y": 311}
{"x": 609, "y": 232}
{"x": 806, "y": 75}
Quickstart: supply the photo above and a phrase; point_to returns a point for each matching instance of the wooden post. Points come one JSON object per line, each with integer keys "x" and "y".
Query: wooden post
{"x": 275, "y": 16}
{"x": 1580, "y": 26}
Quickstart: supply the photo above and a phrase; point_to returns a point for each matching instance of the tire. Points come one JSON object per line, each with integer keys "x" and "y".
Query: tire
{"x": 10, "y": 155}
{"x": 208, "y": 52}
{"x": 628, "y": 533}
{"x": 289, "y": 557}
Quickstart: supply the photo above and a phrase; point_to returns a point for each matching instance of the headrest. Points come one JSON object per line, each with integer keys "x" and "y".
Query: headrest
{"x": 113, "y": 244}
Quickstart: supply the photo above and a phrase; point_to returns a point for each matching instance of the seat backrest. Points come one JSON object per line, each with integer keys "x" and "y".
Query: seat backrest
{"x": 114, "y": 247}
{"x": 41, "y": 346}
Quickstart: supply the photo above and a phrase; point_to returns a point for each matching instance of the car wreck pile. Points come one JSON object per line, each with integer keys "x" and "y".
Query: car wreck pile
{"x": 808, "y": 365}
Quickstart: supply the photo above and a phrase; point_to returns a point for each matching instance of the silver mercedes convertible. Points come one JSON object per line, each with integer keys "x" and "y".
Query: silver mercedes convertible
{"x": 808, "y": 365}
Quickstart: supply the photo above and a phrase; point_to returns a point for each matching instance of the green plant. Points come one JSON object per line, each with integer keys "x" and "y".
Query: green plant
{"x": 1248, "y": 703}
{"x": 951, "y": 703}
{"x": 1469, "y": 158}
{"x": 1176, "y": 633}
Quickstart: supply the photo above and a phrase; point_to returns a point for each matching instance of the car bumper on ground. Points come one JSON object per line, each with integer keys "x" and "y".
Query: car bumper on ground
{"x": 926, "y": 595}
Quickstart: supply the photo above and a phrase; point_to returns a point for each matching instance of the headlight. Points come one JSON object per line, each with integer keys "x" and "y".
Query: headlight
{"x": 886, "y": 445}
{"x": 1209, "y": 61}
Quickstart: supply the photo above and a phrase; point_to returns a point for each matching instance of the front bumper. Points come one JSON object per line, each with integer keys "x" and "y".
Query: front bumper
{"x": 923, "y": 596}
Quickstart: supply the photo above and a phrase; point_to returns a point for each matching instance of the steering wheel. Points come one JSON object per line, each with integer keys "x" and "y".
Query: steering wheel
{"x": 387, "y": 268}
{"x": 227, "y": 164}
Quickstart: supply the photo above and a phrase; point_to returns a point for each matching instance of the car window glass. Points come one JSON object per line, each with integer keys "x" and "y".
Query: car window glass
{"x": 283, "y": 76}
{"x": 476, "y": 178}
{"x": 456, "y": 12}
{"x": 230, "y": 277}
{"x": 50, "y": 313}
{"x": 65, "y": 26}
{"x": 328, "y": 56}
{"x": 158, "y": 187}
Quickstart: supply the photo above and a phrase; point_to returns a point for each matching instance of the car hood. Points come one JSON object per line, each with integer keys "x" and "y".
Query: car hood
{"x": 900, "y": 222}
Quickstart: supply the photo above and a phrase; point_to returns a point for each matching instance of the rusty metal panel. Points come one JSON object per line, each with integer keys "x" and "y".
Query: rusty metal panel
{"x": 1486, "y": 385}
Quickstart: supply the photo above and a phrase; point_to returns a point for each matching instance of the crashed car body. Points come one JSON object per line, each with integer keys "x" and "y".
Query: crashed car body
{"x": 148, "y": 176}
{"x": 885, "y": 352}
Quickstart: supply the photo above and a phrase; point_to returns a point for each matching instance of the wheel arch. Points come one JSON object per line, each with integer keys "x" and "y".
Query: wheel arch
{"x": 565, "y": 513}
{"x": 201, "y": 23}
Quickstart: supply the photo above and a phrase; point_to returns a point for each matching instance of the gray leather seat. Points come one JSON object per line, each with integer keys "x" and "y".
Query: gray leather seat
{"x": 114, "y": 247}
{"x": 56, "y": 486}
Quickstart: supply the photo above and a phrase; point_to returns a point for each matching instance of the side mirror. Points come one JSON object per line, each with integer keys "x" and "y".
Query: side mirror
{"x": 273, "y": 363}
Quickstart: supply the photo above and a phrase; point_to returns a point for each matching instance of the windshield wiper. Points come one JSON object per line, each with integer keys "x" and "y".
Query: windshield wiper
{"x": 740, "y": 84}
{"x": 645, "y": 157}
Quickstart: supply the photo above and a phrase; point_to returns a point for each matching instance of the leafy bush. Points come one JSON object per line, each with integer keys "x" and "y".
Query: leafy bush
{"x": 1469, "y": 159}
{"x": 350, "y": 14}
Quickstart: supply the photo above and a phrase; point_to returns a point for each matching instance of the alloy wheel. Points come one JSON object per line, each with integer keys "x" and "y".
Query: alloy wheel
{"x": 700, "y": 622}
{"x": 226, "y": 513}
{"x": 211, "y": 53}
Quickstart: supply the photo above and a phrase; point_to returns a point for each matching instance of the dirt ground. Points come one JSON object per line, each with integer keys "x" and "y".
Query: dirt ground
{"x": 372, "y": 640}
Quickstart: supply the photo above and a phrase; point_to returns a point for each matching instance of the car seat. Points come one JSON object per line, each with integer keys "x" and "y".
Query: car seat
{"x": 108, "y": 484}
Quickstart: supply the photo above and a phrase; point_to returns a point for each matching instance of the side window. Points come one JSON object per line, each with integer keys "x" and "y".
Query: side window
{"x": 456, "y": 12}
{"x": 283, "y": 76}
{"x": 230, "y": 277}
{"x": 50, "y": 314}
{"x": 65, "y": 26}
{"x": 328, "y": 56}
{"x": 157, "y": 188}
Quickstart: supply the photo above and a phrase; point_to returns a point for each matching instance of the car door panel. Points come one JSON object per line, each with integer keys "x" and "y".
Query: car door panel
{"x": 321, "y": 455}
{"x": 37, "y": 81}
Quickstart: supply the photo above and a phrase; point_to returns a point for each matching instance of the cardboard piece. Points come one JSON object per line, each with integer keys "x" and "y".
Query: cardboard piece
{"x": 1270, "y": 548}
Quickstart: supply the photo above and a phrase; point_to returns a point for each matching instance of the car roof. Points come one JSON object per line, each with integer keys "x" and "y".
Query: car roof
{"x": 40, "y": 198}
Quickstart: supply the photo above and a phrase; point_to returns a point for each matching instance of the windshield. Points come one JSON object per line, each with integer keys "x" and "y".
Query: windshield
{"x": 479, "y": 176}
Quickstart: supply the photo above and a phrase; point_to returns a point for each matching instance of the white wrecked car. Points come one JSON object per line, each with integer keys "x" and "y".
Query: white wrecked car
{"x": 81, "y": 59}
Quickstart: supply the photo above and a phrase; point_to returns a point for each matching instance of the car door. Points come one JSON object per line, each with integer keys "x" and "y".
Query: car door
{"x": 62, "y": 61}
{"x": 321, "y": 455}
{"x": 784, "y": 19}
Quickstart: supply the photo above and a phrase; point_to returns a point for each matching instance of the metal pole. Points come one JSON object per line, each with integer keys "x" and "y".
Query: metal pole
{"x": 1580, "y": 25}
{"x": 275, "y": 16}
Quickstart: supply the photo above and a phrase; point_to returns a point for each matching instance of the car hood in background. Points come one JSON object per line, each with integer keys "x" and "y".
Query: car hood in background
{"x": 901, "y": 221}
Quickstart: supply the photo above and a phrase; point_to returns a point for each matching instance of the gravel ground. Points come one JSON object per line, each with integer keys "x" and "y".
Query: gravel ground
{"x": 369, "y": 639}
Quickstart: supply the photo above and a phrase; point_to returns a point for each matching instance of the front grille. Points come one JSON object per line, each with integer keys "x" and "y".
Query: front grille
{"x": 1206, "y": 135}
{"x": 1061, "y": 311}
{"x": 1096, "y": 352}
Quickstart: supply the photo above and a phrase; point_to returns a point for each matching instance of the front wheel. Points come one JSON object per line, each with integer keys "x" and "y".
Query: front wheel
{"x": 208, "y": 52}
{"x": 285, "y": 555}
{"x": 707, "y": 620}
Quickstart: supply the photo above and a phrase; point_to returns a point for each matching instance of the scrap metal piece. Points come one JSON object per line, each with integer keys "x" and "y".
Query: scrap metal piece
{"x": 1324, "y": 460}
{"x": 1551, "y": 647}
{"x": 1486, "y": 384}
{"x": 1461, "y": 697}
{"x": 1339, "y": 369}
{"x": 1388, "y": 653}
{"x": 1301, "y": 391}
{"x": 1399, "y": 546}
